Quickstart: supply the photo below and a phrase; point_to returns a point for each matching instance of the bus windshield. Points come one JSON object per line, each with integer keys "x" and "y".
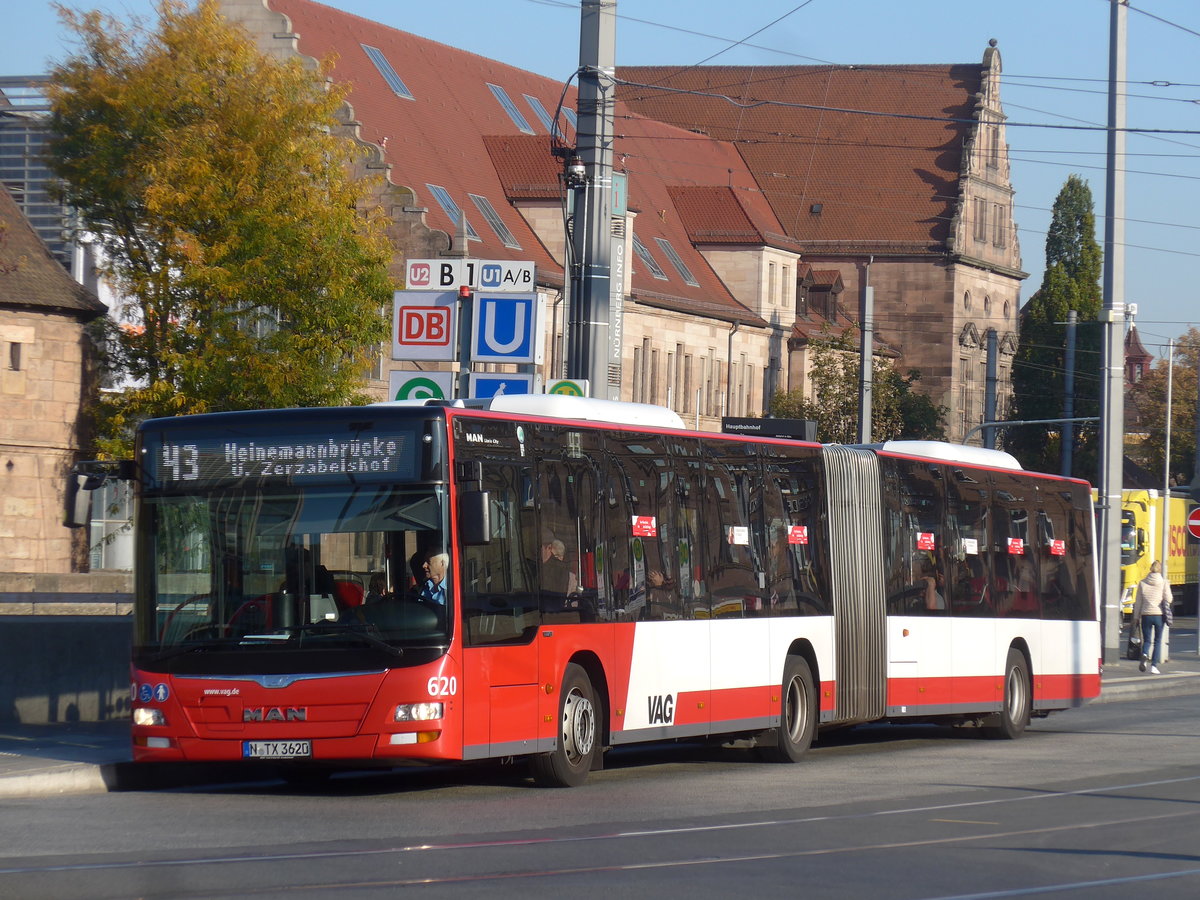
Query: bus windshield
{"x": 317, "y": 568}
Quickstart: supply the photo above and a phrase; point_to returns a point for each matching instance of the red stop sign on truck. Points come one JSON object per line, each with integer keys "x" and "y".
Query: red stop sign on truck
{"x": 1193, "y": 522}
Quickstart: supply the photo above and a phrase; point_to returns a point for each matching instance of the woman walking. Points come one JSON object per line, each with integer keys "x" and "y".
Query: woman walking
{"x": 1151, "y": 611}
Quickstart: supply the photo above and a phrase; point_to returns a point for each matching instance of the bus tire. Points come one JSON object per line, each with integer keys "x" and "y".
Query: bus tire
{"x": 1010, "y": 722}
{"x": 568, "y": 764}
{"x": 797, "y": 716}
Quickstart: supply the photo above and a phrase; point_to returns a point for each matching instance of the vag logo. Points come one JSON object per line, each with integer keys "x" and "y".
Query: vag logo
{"x": 661, "y": 709}
{"x": 275, "y": 714}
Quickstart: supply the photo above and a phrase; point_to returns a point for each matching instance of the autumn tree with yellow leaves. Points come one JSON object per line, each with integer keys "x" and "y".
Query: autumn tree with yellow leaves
{"x": 229, "y": 221}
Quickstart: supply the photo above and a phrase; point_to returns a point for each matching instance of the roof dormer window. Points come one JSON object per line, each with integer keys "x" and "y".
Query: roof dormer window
{"x": 511, "y": 108}
{"x": 451, "y": 209}
{"x": 393, "y": 80}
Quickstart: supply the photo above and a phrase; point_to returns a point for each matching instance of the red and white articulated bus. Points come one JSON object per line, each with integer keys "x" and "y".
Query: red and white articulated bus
{"x": 610, "y": 578}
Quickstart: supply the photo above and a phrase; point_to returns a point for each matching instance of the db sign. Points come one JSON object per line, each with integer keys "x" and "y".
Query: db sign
{"x": 424, "y": 325}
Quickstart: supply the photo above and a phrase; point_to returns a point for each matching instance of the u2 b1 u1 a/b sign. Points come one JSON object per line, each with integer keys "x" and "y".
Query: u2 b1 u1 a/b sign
{"x": 478, "y": 274}
{"x": 425, "y": 325}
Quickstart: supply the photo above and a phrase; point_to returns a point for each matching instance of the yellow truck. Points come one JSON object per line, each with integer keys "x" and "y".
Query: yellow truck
{"x": 1141, "y": 544}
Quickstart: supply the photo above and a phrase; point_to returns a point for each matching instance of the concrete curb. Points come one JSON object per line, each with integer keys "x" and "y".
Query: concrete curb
{"x": 67, "y": 778}
{"x": 1140, "y": 686}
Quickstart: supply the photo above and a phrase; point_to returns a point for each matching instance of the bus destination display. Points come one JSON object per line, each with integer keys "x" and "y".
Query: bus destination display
{"x": 286, "y": 459}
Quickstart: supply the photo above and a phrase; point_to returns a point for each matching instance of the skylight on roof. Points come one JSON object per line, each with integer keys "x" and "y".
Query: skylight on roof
{"x": 684, "y": 272}
{"x": 389, "y": 74}
{"x": 484, "y": 205}
{"x": 651, "y": 263}
{"x": 543, "y": 116}
{"x": 571, "y": 117}
{"x": 446, "y": 202}
{"x": 511, "y": 108}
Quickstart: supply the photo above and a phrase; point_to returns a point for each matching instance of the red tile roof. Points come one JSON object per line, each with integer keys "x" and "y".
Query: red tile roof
{"x": 875, "y": 146}
{"x": 454, "y": 133}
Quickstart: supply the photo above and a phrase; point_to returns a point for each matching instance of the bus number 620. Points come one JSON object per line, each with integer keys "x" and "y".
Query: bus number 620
{"x": 441, "y": 686}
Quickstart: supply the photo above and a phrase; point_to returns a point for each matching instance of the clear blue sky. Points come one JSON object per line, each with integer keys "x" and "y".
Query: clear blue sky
{"x": 1055, "y": 55}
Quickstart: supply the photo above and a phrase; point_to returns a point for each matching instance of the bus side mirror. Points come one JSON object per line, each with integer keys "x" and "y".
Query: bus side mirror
{"x": 80, "y": 488}
{"x": 475, "y": 518}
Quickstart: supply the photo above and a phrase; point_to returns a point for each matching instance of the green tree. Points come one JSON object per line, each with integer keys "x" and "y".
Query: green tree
{"x": 898, "y": 411}
{"x": 1071, "y": 282}
{"x": 227, "y": 213}
{"x": 1149, "y": 397}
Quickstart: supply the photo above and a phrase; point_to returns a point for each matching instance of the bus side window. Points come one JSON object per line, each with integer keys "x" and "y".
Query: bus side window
{"x": 499, "y": 603}
{"x": 642, "y": 475}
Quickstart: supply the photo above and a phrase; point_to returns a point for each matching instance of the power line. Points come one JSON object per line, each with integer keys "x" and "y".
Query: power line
{"x": 878, "y": 114}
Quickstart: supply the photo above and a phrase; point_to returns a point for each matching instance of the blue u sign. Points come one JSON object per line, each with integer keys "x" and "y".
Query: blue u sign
{"x": 505, "y": 328}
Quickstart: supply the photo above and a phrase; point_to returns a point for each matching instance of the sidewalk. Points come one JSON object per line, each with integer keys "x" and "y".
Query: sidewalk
{"x": 89, "y": 757}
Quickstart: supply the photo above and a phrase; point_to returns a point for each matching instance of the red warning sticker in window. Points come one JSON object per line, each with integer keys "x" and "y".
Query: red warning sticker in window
{"x": 1058, "y": 547}
{"x": 1016, "y": 546}
{"x": 645, "y": 526}
{"x": 798, "y": 534}
{"x": 925, "y": 540}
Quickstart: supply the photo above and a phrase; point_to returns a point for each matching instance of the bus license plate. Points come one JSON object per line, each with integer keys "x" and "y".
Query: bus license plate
{"x": 276, "y": 749}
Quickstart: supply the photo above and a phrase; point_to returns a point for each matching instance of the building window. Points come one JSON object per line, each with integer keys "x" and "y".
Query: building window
{"x": 1000, "y": 225}
{"x": 505, "y": 101}
{"x": 770, "y": 284}
{"x": 648, "y": 260}
{"x": 684, "y": 272}
{"x": 987, "y": 306}
{"x": 786, "y": 300}
{"x": 389, "y": 74}
{"x": 967, "y": 301}
{"x": 484, "y": 205}
{"x": 539, "y": 110}
{"x": 1007, "y": 309}
{"x": 571, "y": 117}
{"x": 14, "y": 356}
{"x": 980, "y": 219}
{"x": 450, "y": 208}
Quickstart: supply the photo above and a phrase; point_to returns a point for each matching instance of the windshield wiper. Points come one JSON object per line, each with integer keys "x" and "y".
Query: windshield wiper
{"x": 183, "y": 650}
{"x": 346, "y": 628}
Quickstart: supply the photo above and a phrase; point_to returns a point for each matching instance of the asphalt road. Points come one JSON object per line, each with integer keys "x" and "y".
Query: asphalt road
{"x": 1100, "y": 802}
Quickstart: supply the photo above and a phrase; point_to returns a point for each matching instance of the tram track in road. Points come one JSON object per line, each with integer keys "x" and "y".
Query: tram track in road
{"x": 1061, "y": 822}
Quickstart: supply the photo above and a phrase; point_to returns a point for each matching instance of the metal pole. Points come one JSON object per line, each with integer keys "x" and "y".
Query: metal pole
{"x": 1166, "y": 523}
{"x": 591, "y": 237}
{"x": 1113, "y": 317}
{"x": 1166, "y": 503}
{"x": 866, "y": 359}
{"x": 1067, "y": 450}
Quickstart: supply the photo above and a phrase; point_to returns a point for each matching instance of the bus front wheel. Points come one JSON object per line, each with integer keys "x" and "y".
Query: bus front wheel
{"x": 1010, "y": 722}
{"x": 568, "y": 764}
{"x": 797, "y": 717}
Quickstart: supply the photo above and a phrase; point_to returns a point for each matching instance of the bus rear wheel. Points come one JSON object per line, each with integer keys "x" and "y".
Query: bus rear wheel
{"x": 568, "y": 764}
{"x": 797, "y": 718}
{"x": 1010, "y": 722}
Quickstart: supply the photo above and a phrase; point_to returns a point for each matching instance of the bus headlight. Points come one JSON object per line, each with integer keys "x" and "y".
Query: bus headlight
{"x": 418, "y": 712}
{"x": 146, "y": 715}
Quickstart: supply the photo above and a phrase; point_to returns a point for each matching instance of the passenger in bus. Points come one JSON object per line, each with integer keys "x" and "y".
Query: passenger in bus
{"x": 376, "y": 588}
{"x": 557, "y": 581}
{"x": 931, "y": 579}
